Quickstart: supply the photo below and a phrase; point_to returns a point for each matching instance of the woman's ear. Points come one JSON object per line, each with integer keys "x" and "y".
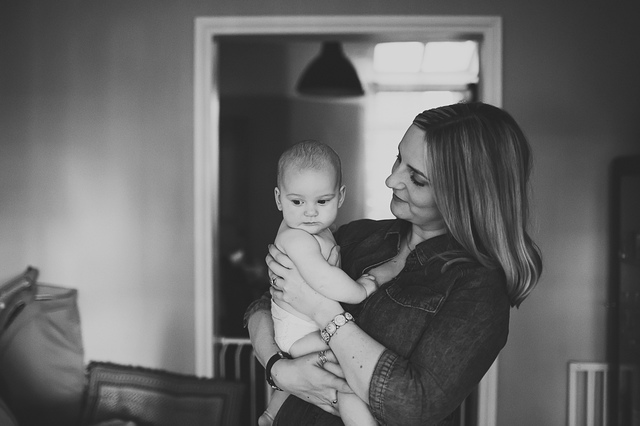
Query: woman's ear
{"x": 276, "y": 195}
{"x": 343, "y": 192}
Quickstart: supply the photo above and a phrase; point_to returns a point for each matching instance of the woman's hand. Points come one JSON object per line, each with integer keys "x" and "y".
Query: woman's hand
{"x": 334, "y": 258}
{"x": 310, "y": 381}
{"x": 290, "y": 287}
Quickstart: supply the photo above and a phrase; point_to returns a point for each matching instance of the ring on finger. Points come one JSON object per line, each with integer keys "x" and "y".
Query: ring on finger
{"x": 335, "y": 401}
{"x": 273, "y": 282}
{"x": 322, "y": 358}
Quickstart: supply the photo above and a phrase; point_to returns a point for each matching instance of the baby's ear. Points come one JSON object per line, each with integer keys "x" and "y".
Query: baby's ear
{"x": 276, "y": 195}
{"x": 343, "y": 192}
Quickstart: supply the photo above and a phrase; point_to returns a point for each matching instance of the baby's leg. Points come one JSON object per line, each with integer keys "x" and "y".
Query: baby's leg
{"x": 354, "y": 411}
{"x": 276, "y": 401}
{"x": 310, "y": 343}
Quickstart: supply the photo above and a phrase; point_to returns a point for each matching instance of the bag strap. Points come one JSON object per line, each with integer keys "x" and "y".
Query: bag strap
{"x": 12, "y": 290}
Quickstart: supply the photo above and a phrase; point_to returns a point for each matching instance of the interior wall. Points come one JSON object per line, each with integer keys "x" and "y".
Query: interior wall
{"x": 96, "y": 165}
{"x": 97, "y": 189}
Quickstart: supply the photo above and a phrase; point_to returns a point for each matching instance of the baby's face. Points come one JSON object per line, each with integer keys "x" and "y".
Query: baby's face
{"x": 309, "y": 199}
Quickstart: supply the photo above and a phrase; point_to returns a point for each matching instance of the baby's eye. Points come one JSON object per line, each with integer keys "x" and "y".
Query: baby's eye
{"x": 296, "y": 202}
{"x": 323, "y": 202}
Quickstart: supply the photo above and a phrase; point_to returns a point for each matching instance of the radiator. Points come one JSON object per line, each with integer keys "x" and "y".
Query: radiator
{"x": 588, "y": 388}
{"x": 236, "y": 361}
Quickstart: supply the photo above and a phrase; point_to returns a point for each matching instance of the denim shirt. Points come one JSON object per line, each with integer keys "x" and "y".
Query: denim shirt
{"x": 442, "y": 327}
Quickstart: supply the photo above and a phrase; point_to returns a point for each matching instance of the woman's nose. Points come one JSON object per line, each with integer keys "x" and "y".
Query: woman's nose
{"x": 393, "y": 180}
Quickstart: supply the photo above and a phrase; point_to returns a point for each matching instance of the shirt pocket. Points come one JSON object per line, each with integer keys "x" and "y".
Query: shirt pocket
{"x": 416, "y": 297}
{"x": 398, "y": 315}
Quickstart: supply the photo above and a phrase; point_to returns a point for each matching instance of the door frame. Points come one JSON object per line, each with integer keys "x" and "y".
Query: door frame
{"x": 206, "y": 141}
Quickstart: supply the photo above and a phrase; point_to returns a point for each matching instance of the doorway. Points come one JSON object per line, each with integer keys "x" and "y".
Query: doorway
{"x": 210, "y": 33}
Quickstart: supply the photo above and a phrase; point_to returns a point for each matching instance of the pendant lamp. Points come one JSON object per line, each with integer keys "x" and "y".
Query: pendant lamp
{"x": 330, "y": 74}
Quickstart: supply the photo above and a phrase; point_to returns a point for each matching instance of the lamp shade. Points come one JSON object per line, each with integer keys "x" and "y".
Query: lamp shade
{"x": 330, "y": 74}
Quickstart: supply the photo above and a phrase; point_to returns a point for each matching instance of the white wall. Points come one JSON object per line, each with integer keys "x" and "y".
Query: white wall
{"x": 96, "y": 188}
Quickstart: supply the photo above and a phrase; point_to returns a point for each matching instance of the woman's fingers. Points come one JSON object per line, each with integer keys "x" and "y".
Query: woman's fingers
{"x": 331, "y": 357}
{"x": 304, "y": 378}
{"x": 334, "y": 256}
{"x": 276, "y": 294}
{"x": 280, "y": 257}
{"x": 332, "y": 365}
{"x": 276, "y": 270}
{"x": 335, "y": 369}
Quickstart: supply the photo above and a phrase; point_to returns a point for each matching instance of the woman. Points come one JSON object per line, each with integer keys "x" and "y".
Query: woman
{"x": 450, "y": 266}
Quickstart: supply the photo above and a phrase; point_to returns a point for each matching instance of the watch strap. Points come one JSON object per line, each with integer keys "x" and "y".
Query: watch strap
{"x": 267, "y": 369}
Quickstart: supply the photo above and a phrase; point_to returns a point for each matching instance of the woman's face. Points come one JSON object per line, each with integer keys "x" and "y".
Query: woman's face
{"x": 413, "y": 198}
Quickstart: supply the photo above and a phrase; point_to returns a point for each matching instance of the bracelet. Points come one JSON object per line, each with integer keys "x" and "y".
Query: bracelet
{"x": 333, "y": 326}
{"x": 267, "y": 370}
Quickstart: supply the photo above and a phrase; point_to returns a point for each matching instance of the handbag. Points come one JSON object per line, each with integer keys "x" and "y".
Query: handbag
{"x": 42, "y": 374}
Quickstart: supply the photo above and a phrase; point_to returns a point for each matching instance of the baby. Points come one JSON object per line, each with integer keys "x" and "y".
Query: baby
{"x": 309, "y": 192}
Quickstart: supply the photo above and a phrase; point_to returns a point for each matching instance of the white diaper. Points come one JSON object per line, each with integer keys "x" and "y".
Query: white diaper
{"x": 289, "y": 328}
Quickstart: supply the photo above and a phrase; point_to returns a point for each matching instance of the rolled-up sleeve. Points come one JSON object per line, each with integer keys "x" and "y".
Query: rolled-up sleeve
{"x": 423, "y": 385}
{"x": 261, "y": 304}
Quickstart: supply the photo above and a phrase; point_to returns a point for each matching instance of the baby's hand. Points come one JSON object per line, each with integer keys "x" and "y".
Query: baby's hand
{"x": 369, "y": 283}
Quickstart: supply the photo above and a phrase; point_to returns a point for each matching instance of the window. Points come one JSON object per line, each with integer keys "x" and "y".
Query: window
{"x": 419, "y": 66}
{"x": 407, "y": 78}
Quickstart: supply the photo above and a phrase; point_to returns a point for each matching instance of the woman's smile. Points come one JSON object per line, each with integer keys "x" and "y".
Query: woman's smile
{"x": 396, "y": 198}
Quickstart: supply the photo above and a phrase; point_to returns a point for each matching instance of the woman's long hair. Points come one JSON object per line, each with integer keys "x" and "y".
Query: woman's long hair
{"x": 479, "y": 162}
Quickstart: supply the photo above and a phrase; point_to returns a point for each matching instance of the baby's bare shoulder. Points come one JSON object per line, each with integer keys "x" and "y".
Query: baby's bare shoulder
{"x": 290, "y": 237}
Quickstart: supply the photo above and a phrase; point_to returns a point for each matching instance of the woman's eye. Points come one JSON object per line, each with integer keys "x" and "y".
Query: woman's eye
{"x": 415, "y": 181}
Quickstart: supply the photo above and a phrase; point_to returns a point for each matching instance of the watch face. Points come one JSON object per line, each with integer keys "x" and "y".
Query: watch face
{"x": 340, "y": 320}
{"x": 331, "y": 328}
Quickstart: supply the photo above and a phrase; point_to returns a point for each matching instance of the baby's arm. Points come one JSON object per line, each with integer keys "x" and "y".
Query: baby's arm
{"x": 369, "y": 283}
{"x": 330, "y": 281}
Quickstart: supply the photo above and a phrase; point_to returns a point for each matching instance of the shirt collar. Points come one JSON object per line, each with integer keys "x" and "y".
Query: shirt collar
{"x": 426, "y": 249}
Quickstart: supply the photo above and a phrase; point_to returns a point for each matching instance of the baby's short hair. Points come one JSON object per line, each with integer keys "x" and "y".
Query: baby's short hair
{"x": 309, "y": 154}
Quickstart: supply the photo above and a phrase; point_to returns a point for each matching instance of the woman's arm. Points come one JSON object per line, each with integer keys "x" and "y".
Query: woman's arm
{"x": 357, "y": 353}
{"x": 260, "y": 327}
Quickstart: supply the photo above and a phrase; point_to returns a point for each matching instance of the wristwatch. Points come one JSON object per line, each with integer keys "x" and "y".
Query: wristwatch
{"x": 267, "y": 370}
{"x": 333, "y": 326}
